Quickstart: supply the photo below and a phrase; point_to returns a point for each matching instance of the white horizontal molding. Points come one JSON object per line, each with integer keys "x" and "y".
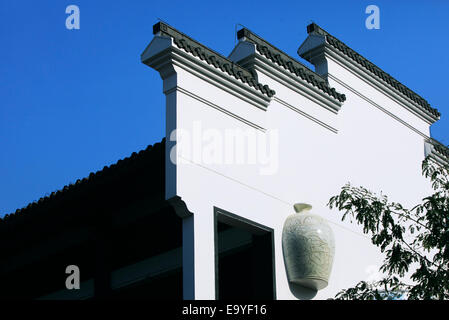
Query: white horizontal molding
{"x": 306, "y": 115}
{"x": 223, "y": 109}
{"x": 371, "y": 102}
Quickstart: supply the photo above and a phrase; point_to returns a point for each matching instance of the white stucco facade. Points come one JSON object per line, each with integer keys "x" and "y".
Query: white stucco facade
{"x": 318, "y": 144}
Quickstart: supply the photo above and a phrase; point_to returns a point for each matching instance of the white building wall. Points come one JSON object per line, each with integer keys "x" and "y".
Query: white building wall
{"x": 360, "y": 144}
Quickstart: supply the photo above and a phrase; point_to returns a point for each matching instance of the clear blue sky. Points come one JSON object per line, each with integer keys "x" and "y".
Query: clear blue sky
{"x": 73, "y": 101}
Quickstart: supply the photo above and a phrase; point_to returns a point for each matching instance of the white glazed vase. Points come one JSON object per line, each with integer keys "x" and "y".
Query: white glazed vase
{"x": 309, "y": 247}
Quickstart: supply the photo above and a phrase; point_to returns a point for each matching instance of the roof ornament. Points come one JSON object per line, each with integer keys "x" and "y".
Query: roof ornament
{"x": 235, "y": 32}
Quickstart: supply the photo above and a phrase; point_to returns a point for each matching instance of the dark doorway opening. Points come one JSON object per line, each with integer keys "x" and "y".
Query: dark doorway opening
{"x": 244, "y": 252}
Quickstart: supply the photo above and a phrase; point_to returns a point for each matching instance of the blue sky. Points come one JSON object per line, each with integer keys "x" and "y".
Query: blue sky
{"x": 73, "y": 101}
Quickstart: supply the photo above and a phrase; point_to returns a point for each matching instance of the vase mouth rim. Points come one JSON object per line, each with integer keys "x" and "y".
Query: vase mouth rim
{"x": 302, "y": 207}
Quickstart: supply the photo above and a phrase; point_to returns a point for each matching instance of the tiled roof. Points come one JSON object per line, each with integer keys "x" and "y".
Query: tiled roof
{"x": 372, "y": 68}
{"x": 440, "y": 148}
{"x": 284, "y": 60}
{"x": 123, "y": 167}
{"x": 211, "y": 57}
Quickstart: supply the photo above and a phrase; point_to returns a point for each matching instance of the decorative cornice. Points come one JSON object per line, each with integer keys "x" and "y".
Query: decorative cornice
{"x": 373, "y": 81}
{"x": 314, "y": 29}
{"x": 437, "y": 151}
{"x": 180, "y": 207}
{"x": 165, "y": 60}
{"x": 262, "y": 64}
{"x": 282, "y": 59}
{"x": 211, "y": 57}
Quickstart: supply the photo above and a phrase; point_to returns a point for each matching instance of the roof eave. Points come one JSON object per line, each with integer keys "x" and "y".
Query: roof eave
{"x": 281, "y": 58}
{"x": 338, "y": 47}
{"x": 209, "y": 56}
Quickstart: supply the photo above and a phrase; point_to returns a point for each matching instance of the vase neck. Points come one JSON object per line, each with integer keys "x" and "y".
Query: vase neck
{"x": 301, "y": 207}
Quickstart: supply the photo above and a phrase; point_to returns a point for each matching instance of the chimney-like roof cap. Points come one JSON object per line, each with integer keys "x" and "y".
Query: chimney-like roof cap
{"x": 284, "y": 60}
{"x": 211, "y": 57}
{"x": 313, "y": 28}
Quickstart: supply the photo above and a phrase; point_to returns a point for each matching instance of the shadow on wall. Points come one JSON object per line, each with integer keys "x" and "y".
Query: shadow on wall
{"x": 300, "y": 292}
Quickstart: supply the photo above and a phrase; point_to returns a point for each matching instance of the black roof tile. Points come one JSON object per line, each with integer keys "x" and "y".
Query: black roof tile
{"x": 211, "y": 57}
{"x": 334, "y": 42}
{"x": 100, "y": 177}
{"x": 287, "y": 62}
{"x": 440, "y": 148}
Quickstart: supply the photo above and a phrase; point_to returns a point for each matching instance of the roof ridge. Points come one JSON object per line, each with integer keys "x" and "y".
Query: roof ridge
{"x": 313, "y": 28}
{"x": 243, "y": 34}
{"x": 289, "y": 63}
{"x": 440, "y": 148}
{"x": 80, "y": 182}
{"x": 212, "y": 57}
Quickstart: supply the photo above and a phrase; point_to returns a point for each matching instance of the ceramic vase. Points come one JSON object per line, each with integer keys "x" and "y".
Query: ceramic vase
{"x": 308, "y": 246}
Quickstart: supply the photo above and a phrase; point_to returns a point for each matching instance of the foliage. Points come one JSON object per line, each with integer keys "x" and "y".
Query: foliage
{"x": 414, "y": 241}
